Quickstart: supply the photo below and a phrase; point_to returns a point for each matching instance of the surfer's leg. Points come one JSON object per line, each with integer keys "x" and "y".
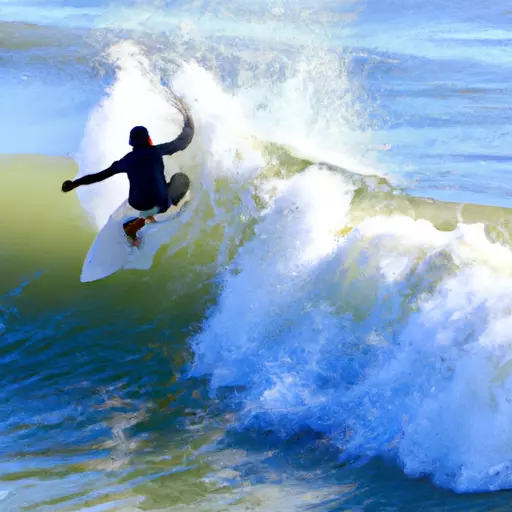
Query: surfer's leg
{"x": 149, "y": 215}
{"x": 132, "y": 227}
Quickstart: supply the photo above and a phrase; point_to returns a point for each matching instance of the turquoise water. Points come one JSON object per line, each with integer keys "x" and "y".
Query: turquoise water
{"x": 327, "y": 327}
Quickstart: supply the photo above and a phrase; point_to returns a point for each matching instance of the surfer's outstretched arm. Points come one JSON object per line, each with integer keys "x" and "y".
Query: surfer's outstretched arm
{"x": 183, "y": 140}
{"x": 89, "y": 179}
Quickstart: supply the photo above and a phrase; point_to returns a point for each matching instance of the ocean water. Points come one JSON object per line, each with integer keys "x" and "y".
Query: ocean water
{"x": 328, "y": 325}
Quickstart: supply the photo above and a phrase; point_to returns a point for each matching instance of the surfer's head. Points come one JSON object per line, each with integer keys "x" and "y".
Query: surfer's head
{"x": 139, "y": 137}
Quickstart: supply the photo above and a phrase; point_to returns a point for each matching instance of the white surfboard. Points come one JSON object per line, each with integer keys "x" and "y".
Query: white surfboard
{"x": 111, "y": 251}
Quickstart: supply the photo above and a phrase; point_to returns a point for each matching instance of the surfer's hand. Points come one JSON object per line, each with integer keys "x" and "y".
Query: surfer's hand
{"x": 67, "y": 186}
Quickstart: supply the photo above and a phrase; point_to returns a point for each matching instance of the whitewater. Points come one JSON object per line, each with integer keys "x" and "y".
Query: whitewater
{"x": 326, "y": 325}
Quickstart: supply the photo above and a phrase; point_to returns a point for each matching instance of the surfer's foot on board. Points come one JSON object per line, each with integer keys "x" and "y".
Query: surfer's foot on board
{"x": 135, "y": 242}
{"x": 131, "y": 228}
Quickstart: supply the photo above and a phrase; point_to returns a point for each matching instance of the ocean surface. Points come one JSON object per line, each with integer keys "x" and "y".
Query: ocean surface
{"x": 328, "y": 325}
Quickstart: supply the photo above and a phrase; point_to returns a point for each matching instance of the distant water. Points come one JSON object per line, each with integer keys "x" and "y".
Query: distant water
{"x": 328, "y": 327}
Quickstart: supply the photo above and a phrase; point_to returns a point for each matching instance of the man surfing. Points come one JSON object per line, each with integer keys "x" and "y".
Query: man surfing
{"x": 150, "y": 194}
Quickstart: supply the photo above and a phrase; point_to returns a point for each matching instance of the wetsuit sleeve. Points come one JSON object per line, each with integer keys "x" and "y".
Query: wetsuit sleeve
{"x": 89, "y": 179}
{"x": 181, "y": 142}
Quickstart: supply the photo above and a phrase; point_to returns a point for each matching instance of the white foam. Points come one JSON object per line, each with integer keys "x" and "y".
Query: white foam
{"x": 314, "y": 110}
{"x": 394, "y": 340}
{"x": 226, "y": 122}
{"x": 220, "y": 146}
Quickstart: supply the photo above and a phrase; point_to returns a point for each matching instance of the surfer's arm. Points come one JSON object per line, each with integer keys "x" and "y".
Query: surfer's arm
{"x": 182, "y": 141}
{"x": 89, "y": 179}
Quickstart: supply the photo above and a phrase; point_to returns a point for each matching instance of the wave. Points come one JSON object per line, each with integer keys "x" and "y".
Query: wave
{"x": 342, "y": 304}
{"x": 390, "y": 336}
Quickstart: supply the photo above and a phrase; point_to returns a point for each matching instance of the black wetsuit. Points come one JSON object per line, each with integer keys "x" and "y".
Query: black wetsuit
{"x": 144, "y": 167}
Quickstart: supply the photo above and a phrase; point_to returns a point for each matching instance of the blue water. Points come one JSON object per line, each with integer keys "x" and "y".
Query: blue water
{"x": 264, "y": 362}
{"x": 434, "y": 78}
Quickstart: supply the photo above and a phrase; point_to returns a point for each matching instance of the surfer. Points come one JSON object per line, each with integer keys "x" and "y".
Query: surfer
{"x": 149, "y": 192}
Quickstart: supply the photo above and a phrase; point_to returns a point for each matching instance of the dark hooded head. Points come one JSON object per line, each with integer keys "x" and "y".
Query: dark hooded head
{"x": 139, "y": 137}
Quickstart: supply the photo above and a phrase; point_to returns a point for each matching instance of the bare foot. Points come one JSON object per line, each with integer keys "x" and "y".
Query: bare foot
{"x": 150, "y": 220}
{"x": 135, "y": 242}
